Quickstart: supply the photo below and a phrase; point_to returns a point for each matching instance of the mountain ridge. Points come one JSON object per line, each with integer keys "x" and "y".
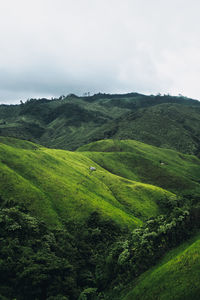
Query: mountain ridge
{"x": 72, "y": 121}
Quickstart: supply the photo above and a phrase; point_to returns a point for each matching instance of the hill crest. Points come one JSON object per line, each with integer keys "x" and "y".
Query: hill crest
{"x": 70, "y": 122}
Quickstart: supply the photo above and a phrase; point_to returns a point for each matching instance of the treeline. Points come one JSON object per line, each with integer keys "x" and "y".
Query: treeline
{"x": 146, "y": 245}
{"x": 94, "y": 261}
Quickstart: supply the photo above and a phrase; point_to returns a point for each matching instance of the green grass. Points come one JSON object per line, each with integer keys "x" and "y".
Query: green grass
{"x": 134, "y": 160}
{"x": 57, "y": 186}
{"x": 177, "y": 276}
{"x": 127, "y": 187}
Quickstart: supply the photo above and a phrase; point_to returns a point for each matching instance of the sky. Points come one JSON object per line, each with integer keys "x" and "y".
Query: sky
{"x": 50, "y": 48}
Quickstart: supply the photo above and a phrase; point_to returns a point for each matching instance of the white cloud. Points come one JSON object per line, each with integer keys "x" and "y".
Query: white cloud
{"x": 53, "y": 47}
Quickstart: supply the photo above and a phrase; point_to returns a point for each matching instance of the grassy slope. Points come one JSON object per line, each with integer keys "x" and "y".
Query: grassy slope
{"x": 177, "y": 276}
{"x": 141, "y": 162}
{"x": 57, "y": 185}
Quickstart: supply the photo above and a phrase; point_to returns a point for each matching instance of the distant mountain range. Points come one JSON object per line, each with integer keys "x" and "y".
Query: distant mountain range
{"x": 70, "y": 122}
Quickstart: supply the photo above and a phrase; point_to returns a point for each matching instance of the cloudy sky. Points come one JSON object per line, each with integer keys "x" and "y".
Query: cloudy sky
{"x": 54, "y": 47}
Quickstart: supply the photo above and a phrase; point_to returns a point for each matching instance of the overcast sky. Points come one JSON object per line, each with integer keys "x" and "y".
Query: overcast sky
{"x": 54, "y": 47}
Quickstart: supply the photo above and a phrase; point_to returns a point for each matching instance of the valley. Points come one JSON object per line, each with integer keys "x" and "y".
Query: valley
{"x": 100, "y": 198}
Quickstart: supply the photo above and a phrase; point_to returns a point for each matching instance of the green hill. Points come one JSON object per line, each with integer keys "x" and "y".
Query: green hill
{"x": 91, "y": 233}
{"x": 167, "y": 125}
{"x": 177, "y": 276}
{"x": 132, "y": 182}
{"x": 70, "y": 122}
{"x": 57, "y": 185}
{"x": 134, "y": 160}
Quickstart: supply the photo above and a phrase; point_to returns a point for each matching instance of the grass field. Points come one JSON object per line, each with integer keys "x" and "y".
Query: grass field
{"x": 58, "y": 186}
{"x": 132, "y": 182}
{"x": 177, "y": 276}
{"x": 134, "y": 160}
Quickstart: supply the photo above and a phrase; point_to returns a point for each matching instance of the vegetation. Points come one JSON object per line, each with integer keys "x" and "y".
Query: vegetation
{"x": 117, "y": 218}
{"x": 134, "y": 160}
{"x": 175, "y": 277}
{"x": 146, "y": 245}
{"x": 39, "y": 263}
{"x": 72, "y": 121}
{"x": 92, "y": 262}
{"x": 56, "y": 185}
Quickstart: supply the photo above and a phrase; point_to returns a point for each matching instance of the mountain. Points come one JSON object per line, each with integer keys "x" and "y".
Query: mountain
{"x": 99, "y": 198}
{"x": 72, "y": 121}
{"x": 69, "y": 231}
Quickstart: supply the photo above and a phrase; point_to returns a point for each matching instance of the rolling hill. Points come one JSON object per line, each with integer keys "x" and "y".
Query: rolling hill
{"x": 132, "y": 182}
{"x": 134, "y": 160}
{"x": 70, "y": 122}
{"x": 57, "y": 184}
{"x": 89, "y": 217}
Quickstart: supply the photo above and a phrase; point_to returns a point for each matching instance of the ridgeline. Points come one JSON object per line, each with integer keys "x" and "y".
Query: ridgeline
{"x": 70, "y": 122}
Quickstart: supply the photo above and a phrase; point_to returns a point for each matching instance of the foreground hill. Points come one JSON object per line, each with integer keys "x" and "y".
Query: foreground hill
{"x": 177, "y": 276}
{"x": 71, "y": 233}
{"x": 69, "y": 122}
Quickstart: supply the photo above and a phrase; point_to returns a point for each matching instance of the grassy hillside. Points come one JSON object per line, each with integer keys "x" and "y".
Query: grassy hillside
{"x": 71, "y": 121}
{"x": 57, "y": 185}
{"x": 93, "y": 244}
{"x": 127, "y": 186}
{"x": 177, "y": 276}
{"x": 134, "y": 160}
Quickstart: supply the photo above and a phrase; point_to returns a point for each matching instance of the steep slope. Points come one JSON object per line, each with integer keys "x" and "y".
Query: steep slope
{"x": 166, "y": 125}
{"x": 134, "y": 160}
{"x": 177, "y": 276}
{"x": 57, "y": 185}
{"x": 72, "y": 121}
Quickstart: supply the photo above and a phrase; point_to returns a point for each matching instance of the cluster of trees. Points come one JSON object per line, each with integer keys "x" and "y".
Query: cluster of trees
{"x": 82, "y": 262}
{"x": 34, "y": 260}
{"x": 146, "y": 245}
{"x": 40, "y": 263}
